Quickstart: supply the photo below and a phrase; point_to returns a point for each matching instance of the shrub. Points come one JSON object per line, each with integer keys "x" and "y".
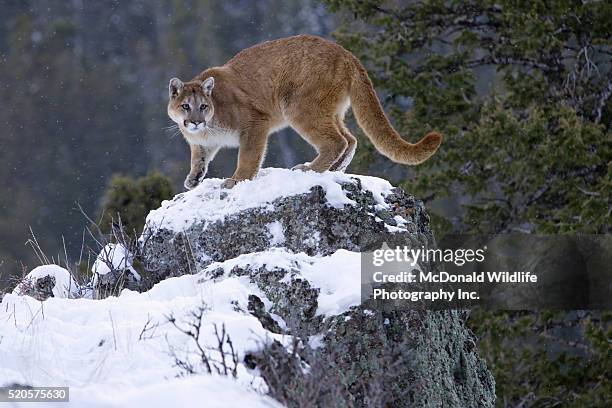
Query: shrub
{"x": 130, "y": 199}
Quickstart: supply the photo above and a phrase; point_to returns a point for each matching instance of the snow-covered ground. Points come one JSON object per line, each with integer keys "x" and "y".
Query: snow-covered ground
{"x": 99, "y": 350}
{"x": 96, "y": 347}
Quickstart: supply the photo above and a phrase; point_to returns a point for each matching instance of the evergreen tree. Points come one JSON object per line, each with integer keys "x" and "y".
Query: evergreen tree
{"x": 521, "y": 91}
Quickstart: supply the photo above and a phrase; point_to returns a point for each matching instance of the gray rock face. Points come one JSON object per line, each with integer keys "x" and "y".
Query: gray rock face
{"x": 438, "y": 364}
{"x": 435, "y": 362}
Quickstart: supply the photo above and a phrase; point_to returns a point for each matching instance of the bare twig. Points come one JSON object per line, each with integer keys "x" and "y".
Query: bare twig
{"x": 227, "y": 364}
{"x": 589, "y": 193}
{"x": 148, "y": 330}
{"x": 113, "y": 326}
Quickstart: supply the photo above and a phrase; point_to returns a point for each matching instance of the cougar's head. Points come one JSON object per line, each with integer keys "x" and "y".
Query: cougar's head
{"x": 190, "y": 105}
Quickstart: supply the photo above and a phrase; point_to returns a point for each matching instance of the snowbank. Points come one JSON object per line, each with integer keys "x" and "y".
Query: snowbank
{"x": 208, "y": 391}
{"x": 99, "y": 348}
{"x": 116, "y": 351}
{"x": 209, "y": 202}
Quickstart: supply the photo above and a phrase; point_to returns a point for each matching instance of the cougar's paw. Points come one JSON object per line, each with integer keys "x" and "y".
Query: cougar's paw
{"x": 302, "y": 167}
{"x": 228, "y": 183}
{"x": 191, "y": 182}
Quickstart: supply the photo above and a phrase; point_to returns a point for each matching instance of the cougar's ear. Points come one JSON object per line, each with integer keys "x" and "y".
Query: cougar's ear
{"x": 174, "y": 87}
{"x": 208, "y": 85}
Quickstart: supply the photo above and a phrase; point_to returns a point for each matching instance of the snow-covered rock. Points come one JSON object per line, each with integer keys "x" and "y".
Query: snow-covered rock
{"x": 48, "y": 281}
{"x": 209, "y": 202}
{"x": 337, "y": 292}
{"x": 113, "y": 270}
{"x": 301, "y": 211}
{"x": 296, "y": 238}
{"x": 114, "y": 257}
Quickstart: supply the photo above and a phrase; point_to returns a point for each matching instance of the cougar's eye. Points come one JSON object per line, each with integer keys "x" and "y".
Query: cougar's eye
{"x": 186, "y": 106}
{"x": 203, "y": 106}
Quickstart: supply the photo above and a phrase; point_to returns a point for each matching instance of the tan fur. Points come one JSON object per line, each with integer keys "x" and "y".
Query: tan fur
{"x": 304, "y": 82}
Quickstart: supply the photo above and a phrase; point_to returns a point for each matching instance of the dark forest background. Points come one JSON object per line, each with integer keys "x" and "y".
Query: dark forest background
{"x": 84, "y": 94}
{"x": 520, "y": 90}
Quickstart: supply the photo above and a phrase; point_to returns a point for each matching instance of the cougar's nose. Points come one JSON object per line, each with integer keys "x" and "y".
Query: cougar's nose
{"x": 193, "y": 124}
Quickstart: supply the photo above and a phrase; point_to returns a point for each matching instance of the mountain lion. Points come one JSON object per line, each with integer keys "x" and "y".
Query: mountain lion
{"x": 304, "y": 82}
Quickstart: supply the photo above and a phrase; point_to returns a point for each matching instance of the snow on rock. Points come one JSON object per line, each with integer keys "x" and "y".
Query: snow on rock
{"x": 115, "y": 352}
{"x": 48, "y": 281}
{"x": 272, "y": 257}
{"x": 314, "y": 213}
{"x": 209, "y": 202}
{"x": 113, "y": 257}
{"x": 113, "y": 271}
{"x": 337, "y": 276}
{"x": 276, "y": 230}
{"x": 339, "y": 279}
{"x": 294, "y": 239}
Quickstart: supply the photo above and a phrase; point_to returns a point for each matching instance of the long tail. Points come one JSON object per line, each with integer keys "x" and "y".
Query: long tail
{"x": 371, "y": 118}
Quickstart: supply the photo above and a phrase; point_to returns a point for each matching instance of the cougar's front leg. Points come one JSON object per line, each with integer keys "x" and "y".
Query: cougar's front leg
{"x": 250, "y": 154}
{"x": 200, "y": 157}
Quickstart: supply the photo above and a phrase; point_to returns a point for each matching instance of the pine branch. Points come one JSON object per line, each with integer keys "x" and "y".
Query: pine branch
{"x": 491, "y": 60}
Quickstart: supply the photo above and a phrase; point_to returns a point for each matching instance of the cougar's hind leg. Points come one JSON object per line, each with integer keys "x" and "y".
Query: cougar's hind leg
{"x": 324, "y": 135}
{"x": 345, "y": 159}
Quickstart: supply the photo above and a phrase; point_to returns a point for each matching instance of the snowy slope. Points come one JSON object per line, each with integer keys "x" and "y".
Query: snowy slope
{"x": 93, "y": 346}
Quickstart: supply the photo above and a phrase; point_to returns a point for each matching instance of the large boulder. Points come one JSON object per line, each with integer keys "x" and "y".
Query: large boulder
{"x": 303, "y": 212}
{"x": 297, "y": 237}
